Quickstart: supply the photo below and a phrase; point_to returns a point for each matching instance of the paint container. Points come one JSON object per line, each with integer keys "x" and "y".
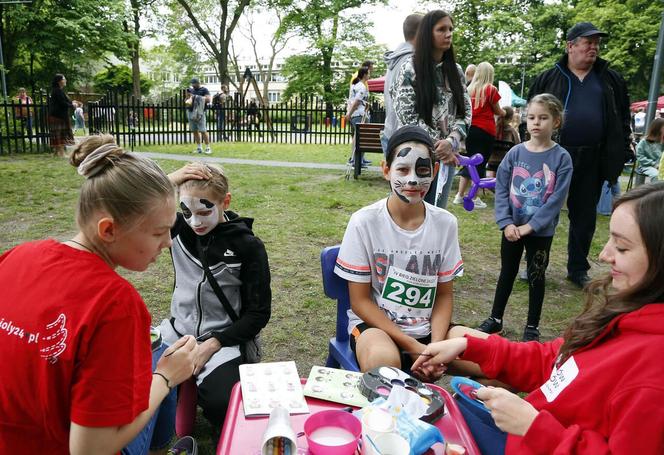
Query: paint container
{"x": 332, "y": 432}
{"x": 155, "y": 338}
{"x": 279, "y": 433}
{"x": 375, "y": 422}
{"x": 392, "y": 444}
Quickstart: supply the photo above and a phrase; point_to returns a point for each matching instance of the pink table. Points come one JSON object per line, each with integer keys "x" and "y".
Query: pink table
{"x": 243, "y": 436}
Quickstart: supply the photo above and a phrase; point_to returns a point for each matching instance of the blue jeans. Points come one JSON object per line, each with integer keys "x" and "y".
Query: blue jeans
{"x": 444, "y": 196}
{"x": 159, "y": 431}
{"x": 609, "y": 193}
{"x": 490, "y": 439}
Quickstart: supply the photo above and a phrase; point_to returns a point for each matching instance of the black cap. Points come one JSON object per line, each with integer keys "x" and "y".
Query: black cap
{"x": 409, "y": 133}
{"x": 194, "y": 80}
{"x": 583, "y": 29}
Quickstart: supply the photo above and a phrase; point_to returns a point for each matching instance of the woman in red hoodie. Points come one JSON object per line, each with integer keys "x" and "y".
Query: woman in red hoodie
{"x": 599, "y": 388}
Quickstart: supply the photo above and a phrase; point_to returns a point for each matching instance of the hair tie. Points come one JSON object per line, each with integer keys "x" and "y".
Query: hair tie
{"x": 92, "y": 164}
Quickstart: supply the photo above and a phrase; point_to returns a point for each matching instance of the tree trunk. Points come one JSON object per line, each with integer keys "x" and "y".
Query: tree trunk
{"x": 135, "y": 52}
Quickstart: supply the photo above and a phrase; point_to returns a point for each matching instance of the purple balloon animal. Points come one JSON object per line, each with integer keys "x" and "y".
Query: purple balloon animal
{"x": 477, "y": 183}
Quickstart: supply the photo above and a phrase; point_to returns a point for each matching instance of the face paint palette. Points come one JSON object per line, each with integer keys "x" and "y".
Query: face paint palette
{"x": 379, "y": 382}
{"x": 339, "y": 386}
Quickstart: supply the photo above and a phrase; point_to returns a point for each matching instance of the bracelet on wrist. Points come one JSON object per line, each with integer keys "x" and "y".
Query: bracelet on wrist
{"x": 168, "y": 383}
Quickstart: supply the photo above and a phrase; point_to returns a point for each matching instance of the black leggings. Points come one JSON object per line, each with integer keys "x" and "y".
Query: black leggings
{"x": 478, "y": 141}
{"x": 537, "y": 258}
{"x": 214, "y": 393}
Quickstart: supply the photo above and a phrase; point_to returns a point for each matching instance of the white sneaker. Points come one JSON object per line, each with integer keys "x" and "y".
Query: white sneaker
{"x": 458, "y": 199}
{"x": 479, "y": 204}
{"x": 208, "y": 151}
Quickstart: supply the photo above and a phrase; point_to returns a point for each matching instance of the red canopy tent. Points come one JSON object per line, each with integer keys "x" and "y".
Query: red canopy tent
{"x": 376, "y": 85}
{"x": 640, "y": 104}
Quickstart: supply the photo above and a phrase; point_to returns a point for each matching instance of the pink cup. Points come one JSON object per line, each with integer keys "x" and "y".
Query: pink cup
{"x": 332, "y": 432}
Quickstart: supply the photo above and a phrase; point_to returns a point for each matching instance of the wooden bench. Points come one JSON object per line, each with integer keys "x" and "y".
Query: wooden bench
{"x": 367, "y": 139}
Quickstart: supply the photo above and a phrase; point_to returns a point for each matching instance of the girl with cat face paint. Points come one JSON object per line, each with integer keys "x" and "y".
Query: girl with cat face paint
{"x": 400, "y": 256}
{"x": 207, "y": 233}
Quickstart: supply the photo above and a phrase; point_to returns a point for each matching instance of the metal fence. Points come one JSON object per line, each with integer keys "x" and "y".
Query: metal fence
{"x": 24, "y": 127}
{"x": 307, "y": 120}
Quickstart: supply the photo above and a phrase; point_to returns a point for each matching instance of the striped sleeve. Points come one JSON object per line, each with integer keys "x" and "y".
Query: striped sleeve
{"x": 452, "y": 264}
{"x": 353, "y": 262}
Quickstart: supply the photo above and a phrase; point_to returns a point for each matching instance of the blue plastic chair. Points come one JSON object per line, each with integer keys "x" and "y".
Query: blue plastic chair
{"x": 477, "y": 183}
{"x": 336, "y": 288}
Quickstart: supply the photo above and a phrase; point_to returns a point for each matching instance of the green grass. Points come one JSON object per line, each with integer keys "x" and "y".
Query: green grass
{"x": 297, "y": 212}
{"x": 308, "y": 153}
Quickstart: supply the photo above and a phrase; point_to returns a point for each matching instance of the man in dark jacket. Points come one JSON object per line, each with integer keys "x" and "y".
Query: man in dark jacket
{"x": 595, "y": 131}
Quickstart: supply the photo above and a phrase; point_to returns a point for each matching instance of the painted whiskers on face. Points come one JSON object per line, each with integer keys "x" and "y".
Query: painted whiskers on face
{"x": 411, "y": 173}
{"x": 199, "y": 213}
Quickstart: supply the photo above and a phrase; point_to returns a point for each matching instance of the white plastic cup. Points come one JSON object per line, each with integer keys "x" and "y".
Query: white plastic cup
{"x": 279, "y": 426}
{"x": 392, "y": 444}
{"x": 375, "y": 422}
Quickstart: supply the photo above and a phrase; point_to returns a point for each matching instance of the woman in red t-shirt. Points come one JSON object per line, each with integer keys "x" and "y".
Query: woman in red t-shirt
{"x": 482, "y": 133}
{"x": 75, "y": 349}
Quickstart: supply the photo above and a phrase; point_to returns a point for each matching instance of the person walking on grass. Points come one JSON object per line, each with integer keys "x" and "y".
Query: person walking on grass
{"x": 59, "y": 120}
{"x": 357, "y": 110}
{"x": 531, "y": 186}
{"x": 197, "y": 100}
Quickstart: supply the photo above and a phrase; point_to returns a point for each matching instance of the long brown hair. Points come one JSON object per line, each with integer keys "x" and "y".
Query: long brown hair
{"x": 604, "y": 305}
{"x": 425, "y": 70}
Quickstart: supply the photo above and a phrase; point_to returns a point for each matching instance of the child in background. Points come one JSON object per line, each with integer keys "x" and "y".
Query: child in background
{"x": 482, "y": 133}
{"x": 79, "y": 119}
{"x": 506, "y": 134}
{"x": 649, "y": 151}
{"x": 531, "y": 187}
{"x": 212, "y": 243}
{"x": 400, "y": 256}
{"x": 79, "y": 376}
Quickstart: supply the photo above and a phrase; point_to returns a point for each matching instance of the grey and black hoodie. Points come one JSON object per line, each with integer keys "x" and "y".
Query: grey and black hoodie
{"x": 238, "y": 261}
{"x": 393, "y": 59}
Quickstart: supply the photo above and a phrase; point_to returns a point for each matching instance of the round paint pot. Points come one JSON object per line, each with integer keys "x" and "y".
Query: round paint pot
{"x": 332, "y": 432}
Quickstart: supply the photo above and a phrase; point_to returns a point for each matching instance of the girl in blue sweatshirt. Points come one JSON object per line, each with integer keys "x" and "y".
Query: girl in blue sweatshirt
{"x": 531, "y": 185}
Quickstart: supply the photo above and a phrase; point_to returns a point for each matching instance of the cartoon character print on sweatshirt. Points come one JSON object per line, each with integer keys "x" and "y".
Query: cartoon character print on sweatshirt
{"x": 411, "y": 173}
{"x": 530, "y": 192}
{"x": 199, "y": 213}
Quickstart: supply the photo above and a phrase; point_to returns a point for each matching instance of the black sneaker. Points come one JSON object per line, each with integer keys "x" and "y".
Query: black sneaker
{"x": 184, "y": 446}
{"x": 579, "y": 280}
{"x": 531, "y": 333}
{"x": 490, "y": 325}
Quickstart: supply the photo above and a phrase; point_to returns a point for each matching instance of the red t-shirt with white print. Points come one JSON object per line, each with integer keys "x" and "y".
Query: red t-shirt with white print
{"x": 74, "y": 346}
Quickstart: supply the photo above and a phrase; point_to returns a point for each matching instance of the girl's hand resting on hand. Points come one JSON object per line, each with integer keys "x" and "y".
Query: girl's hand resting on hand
{"x": 512, "y": 233}
{"x": 441, "y": 353}
{"x": 511, "y": 413}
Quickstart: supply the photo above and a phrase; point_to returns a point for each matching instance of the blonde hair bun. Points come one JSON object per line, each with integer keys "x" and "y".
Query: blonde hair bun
{"x": 94, "y": 154}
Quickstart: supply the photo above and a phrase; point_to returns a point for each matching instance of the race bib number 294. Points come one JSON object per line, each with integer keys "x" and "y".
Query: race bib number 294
{"x": 409, "y": 289}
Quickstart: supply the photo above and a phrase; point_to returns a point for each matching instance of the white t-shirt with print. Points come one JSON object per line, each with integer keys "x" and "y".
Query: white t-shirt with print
{"x": 358, "y": 92}
{"x": 402, "y": 266}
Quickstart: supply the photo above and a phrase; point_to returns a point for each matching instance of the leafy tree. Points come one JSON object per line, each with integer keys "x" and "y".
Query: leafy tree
{"x": 118, "y": 78}
{"x": 522, "y": 38}
{"x": 50, "y": 36}
{"x": 209, "y": 25}
{"x": 326, "y": 25}
{"x": 633, "y": 26}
